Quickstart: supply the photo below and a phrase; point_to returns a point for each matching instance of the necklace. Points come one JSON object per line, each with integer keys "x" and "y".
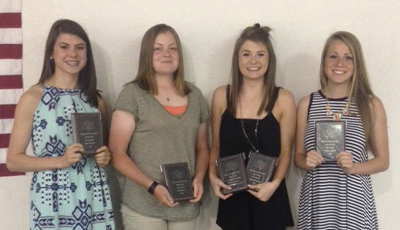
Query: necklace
{"x": 336, "y": 116}
{"x": 244, "y": 131}
{"x": 168, "y": 99}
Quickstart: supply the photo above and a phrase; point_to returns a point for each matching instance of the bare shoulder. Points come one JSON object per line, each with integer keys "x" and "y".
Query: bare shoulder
{"x": 285, "y": 101}
{"x": 285, "y": 96}
{"x": 304, "y": 102}
{"x": 220, "y": 91}
{"x": 219, "y": 96}
{"x": 377, "y": 105}
{"x": 29, "y": 101}
{"x": 219, "y": 104}
{"x": 32, "y": 96}
{"x": 376, "y": 102}
{"x": 284, "y": 105}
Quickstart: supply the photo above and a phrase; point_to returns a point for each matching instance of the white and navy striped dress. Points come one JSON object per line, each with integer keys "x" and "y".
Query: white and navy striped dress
{"x": 330, "y": 199}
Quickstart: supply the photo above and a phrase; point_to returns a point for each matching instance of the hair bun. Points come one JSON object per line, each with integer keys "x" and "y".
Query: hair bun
{"x": 257, "y": 25}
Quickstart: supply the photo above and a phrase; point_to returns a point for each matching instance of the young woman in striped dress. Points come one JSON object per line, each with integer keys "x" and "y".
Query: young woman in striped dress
{"x": 337, "y": 193}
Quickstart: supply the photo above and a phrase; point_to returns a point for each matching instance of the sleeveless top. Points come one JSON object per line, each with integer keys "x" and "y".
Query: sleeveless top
{"x": 77, "y": 197}
{"x": 242, "y": 210}
{"x": 330, "y": 199}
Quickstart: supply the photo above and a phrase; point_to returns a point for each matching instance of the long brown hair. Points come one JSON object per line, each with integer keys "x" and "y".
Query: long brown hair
{"x": 87, "y": 80}
{"x": 360, "y": 91}
{"x": 254, "y": 33}
{"x": 146, "y": 75}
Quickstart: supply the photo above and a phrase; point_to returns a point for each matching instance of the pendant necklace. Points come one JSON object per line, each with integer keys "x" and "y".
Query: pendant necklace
{"x": 168, "y": 99}
{"x": 244, "y": 131}
{"x": 336, "y": 116}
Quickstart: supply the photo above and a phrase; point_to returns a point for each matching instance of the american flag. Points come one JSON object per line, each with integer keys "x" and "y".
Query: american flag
{"x": 11, "y": 87}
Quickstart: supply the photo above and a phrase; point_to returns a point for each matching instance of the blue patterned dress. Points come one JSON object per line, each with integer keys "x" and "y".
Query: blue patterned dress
{"x": 77, "y": 197}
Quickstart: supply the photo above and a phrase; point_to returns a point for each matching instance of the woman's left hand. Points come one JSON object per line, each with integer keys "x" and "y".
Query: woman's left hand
{"x": 102, "y": 156}
{"x": 345, "y": 161}
{"x": 198, "y": 190}
{"x": 263, "y": 191}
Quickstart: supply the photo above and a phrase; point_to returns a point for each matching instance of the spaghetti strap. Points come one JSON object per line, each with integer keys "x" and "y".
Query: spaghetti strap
{"x": 274, "y": 97}
{"x": 228, "y": 99}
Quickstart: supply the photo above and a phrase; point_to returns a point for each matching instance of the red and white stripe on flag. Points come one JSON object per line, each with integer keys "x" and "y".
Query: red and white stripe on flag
{"x": 11, "y": 87}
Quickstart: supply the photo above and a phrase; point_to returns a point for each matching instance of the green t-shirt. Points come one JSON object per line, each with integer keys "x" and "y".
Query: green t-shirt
{"x": 160, "y": 138}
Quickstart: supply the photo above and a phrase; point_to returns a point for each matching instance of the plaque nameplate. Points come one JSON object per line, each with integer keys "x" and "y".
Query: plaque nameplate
{"x": 260, "y": 168}
{"x": 330, "y": 138}
{"x": 178, "y": 181}
{"x": 87, "y": 130}
{"x": 232, "y": 172}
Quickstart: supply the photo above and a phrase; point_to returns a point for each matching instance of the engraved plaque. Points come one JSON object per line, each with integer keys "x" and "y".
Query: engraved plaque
{"x": 232, "y": 172}
{"x": 178, "y": 181}
{"x": 87, "y": 131}
{"x": 260, "y": 168}
{"x": 330, "y": 138}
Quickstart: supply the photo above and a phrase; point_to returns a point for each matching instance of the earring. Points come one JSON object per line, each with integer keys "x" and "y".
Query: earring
{"x": 51, "y": 58}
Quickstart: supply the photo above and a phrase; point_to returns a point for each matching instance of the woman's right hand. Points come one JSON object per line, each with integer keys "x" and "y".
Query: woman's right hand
{"x": 313, "y": 159}
{"x": 162, "y": 195}
{"x": 72, "y": 154}
{"x": 217, "y": 185}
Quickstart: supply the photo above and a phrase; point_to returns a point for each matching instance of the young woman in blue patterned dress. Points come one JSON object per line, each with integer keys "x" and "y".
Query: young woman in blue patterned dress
{"x": 68, "y": 190}
{"x": 338, "y": 194}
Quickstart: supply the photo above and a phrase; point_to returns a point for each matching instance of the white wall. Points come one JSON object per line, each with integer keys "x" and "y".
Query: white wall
{"x": 208, "y": 30}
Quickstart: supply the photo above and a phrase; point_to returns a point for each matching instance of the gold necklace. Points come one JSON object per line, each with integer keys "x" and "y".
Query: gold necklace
{"x": 336, "y": 116}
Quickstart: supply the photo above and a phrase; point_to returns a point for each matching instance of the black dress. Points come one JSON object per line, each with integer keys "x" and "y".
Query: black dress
{"x": 243, "y": 211}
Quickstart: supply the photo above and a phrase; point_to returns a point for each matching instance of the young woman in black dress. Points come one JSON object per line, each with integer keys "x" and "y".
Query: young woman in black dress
{"x": 252, "y": 114}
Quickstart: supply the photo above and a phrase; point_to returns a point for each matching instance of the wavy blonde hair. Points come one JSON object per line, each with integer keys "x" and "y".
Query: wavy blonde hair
{"x": 360, "y": 92}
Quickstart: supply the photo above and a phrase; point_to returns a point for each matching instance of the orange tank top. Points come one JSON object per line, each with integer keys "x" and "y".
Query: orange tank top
{"x": 175, "y": 110}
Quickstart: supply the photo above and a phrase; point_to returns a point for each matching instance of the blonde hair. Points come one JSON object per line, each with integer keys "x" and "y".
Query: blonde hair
{"x": 360, "y": 91}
